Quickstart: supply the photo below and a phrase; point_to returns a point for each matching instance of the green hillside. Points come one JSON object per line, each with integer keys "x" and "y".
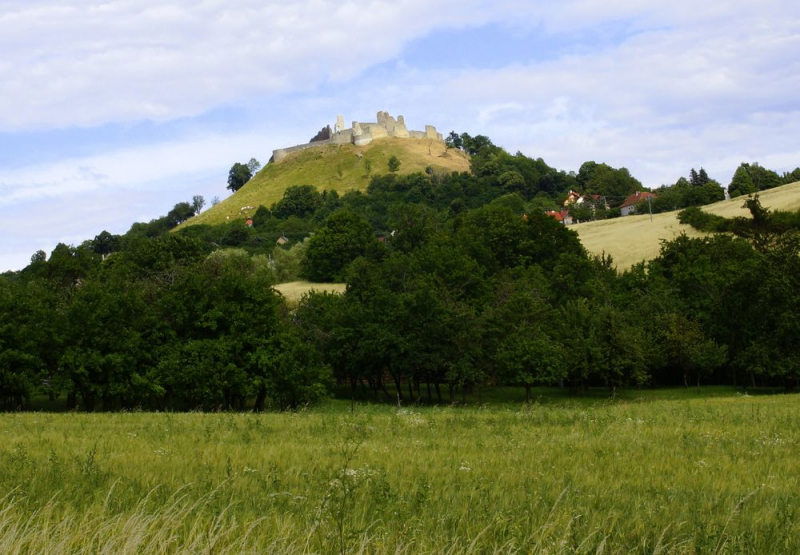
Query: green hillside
{"x": 632, "y": 239}
{"x": 333, "y": 167}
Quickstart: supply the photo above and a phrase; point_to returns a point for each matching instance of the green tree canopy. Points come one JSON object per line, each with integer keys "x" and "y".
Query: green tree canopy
{"x": 344, "y": 237}
{"x": 298, "y": 200}
{"x": 238, "y": 176}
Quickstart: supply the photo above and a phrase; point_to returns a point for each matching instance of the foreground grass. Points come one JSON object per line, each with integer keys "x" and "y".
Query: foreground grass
{"x": 690, "y": 475}
{"x": 631, "y": 239}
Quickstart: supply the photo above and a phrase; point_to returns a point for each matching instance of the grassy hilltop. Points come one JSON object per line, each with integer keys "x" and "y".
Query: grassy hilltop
{"x": 632, "y": 239}
{"x": 333, "y": 167}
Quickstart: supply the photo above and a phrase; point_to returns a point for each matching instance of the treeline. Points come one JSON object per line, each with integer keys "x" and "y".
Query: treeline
{"x": 493, "y": 298}
{"x": 764, "y": 223}
{"x": 455, "y": 282}
{"x": 162, "y": 324}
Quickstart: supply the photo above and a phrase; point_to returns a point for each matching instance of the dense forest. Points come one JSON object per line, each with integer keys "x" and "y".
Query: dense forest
{"x": 455, "y": 282}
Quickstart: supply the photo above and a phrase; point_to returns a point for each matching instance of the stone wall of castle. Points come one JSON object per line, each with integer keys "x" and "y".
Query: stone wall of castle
{"x": 361, "y": 133}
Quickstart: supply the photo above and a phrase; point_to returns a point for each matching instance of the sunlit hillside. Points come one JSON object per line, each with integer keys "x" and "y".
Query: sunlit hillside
{"x": 334, "y": 167}
{"x": 632, "y": 239}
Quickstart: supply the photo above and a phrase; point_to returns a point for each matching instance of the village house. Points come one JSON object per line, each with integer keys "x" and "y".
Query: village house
{"x": 561, "y": 217}
{"x": 596, "y": 201}
{"x": 629, "y": 205}
{"x": 572, "y": 198}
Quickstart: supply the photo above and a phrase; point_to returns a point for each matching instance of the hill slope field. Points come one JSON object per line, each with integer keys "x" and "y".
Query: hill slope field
{"x": 631, "y": 239}
{"x": 333, "y": 167}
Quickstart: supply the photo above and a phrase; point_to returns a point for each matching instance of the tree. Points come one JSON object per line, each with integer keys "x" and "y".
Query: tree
{"x": 105, "y": 243}
{"x": 215, "y": 201}
{"x": 344, "y": 237}
{"x": 197, "y": 203}
{"x": 394, "y": 164}
{"x": 685, "y": 347}
{"x": 512, "y": 181}
{"x": 180, "y": 213}
{"x": 290, "y": 372}
{"x": 261, "y": 216}
{"x": 527, "y": 357}
{"x": 238, "y": 176}
{"x": 742, "y": 183}
{"x": 791, "y": 177}
{"x": 253, "y": 165}
{"x": 763, "y": 178}
{"x": 411, "y": 224}
{"x": 454, "y": 140}
{"x": 298, "y": 200}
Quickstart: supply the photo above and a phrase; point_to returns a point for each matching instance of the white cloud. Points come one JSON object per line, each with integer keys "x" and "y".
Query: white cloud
{"x": 142, "y": 168}
{"x": 699, "y": 92}
{"x": 89, "y": 63}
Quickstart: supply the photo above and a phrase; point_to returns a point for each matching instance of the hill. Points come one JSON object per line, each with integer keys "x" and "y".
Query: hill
{"x": 340, "y": 168}
{"x": 632, "y": 239}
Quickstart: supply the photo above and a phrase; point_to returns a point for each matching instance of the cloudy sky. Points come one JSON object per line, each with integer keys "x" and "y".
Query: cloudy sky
{"x": 112, "y": 111}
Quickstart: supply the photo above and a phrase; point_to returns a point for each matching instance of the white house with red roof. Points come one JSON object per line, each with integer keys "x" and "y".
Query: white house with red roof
{"x": 562, "y": 216}
{"x": 628, "y": 206}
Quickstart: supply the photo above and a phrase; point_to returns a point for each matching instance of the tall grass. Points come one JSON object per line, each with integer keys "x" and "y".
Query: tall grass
{"x": 696, "y": 475}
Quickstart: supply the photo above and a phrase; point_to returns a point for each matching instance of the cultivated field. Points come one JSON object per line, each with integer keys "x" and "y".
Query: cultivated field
{"x": 635, "y": 238}
{"x": 708, "y": 475}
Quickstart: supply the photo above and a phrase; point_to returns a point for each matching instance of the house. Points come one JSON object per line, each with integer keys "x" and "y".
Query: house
{"x": 562, "y": 217}
{"x": 628, "y": 206}
{"x": 282, "y": 240}
{"x": 572, "y": 197}
{"x": 596, "y": 201}
{"x": 248, "y": 222}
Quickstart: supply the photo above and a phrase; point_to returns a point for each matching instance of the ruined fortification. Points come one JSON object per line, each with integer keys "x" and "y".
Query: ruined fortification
{"x": 360, "y": 134}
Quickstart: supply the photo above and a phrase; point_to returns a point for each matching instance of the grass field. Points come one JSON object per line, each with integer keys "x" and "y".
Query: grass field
{"x": 695, "y": 474}
{"x": 294, "y": 290}
{"x": 635, "y": 238}
{"x": 333, "y": 167}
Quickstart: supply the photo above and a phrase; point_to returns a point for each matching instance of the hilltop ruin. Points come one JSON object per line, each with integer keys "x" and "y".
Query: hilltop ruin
{"x": 361, "y": 134}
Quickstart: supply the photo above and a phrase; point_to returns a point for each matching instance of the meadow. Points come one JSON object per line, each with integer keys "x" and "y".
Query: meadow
{"x": 698, "y": 473}
{"x": 631, "y": 239}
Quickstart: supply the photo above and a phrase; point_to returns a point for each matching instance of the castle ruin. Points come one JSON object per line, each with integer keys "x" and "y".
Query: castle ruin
{"x": 361, "y": 134}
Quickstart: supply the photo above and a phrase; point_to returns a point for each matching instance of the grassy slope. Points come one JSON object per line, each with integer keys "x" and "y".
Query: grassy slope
{"x": 634, "y": 238}
{"x": 685, "y": 476}
{"x": 321, "y": 167}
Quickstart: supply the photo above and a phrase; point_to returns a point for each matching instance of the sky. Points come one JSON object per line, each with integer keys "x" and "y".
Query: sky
{"x": 111, "y": 112}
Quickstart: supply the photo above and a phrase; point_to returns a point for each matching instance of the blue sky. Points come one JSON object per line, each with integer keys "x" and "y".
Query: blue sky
{"x": 113, "y": 111}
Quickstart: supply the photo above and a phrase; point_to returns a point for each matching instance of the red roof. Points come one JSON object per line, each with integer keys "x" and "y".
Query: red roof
{"x": 559, "y": 216}
{"x": 636, "y": 198}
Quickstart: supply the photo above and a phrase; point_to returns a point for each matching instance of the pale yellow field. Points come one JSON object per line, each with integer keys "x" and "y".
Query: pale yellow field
{"x": 632, "y": 239}
{"x": 294, "y": 290}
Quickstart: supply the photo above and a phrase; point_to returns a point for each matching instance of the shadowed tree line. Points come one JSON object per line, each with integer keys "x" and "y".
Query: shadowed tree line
{"x": 455, "y": 282}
